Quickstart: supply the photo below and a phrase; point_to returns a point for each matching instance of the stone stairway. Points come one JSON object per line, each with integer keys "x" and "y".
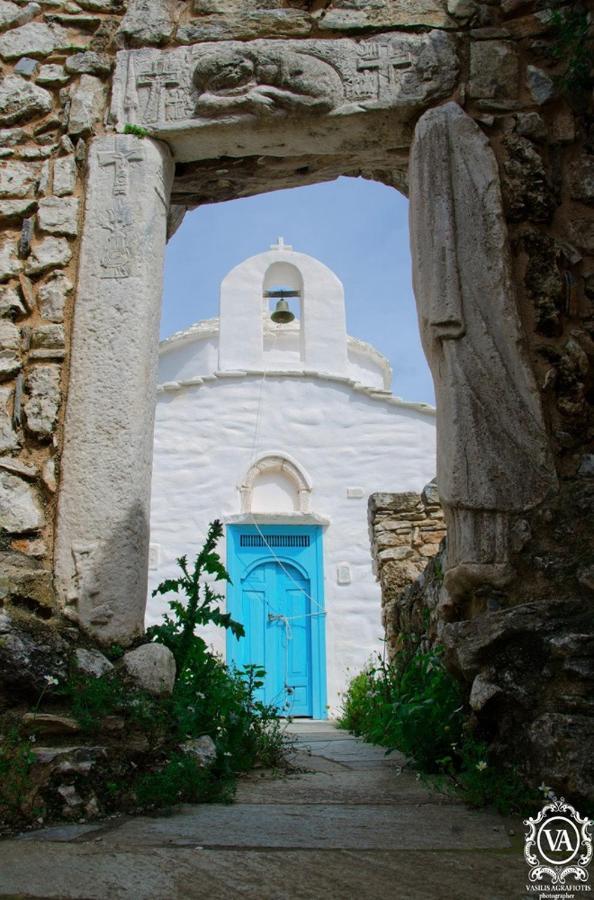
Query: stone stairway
{"x": 350, "y": 824}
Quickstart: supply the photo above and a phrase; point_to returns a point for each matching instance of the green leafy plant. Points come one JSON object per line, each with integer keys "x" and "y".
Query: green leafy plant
{"x": 414, "y": 705}
{"x": 138, "y": 130}
{"x": 411, "y": 705}
{"x": 573, "y": 45}
{"x": 179, "y": 779}
{"x": 16, "y": 759}
{"x": 178, "y": 632}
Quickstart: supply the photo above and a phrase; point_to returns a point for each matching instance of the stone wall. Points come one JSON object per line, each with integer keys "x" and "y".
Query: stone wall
{"x": 56, "y": 63}
{"x": 506, "y": 65}
{"x": 405, "y": 531}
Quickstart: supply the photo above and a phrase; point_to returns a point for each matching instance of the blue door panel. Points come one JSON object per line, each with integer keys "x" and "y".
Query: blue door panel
{"x": 276, "y": 593}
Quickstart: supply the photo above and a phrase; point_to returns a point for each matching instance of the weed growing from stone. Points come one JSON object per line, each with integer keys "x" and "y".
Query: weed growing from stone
{"x": 144, "y": 755}
{"x": 16, "y": 760}
{"x": 414, "y": 705}
{"x": 573, "y": 45}
{"x": 137, "y": 130}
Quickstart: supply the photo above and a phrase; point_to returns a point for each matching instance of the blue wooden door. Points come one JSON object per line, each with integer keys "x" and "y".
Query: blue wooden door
{"x": 277, "y": 593}
{"x": 275, "y": 610}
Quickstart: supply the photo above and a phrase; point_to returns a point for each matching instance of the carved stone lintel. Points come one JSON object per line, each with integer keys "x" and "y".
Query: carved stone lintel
{"x": 227, "y": 81}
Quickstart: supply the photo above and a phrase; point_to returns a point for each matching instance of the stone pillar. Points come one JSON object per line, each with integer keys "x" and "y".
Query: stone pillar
{"x": 103, "y": 516}
{"x": 494, "y": 460}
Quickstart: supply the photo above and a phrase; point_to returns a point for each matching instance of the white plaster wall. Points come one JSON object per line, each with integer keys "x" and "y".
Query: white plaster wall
{"x": 195, "y": 353}
{"x": 205, "y": 440}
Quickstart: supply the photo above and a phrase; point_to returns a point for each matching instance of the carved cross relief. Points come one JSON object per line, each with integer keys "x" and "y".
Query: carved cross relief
{"x": 193, "y": 86}
{"x": 159, "y": 79}
{"x": 378, "y": 64}
{"x": 116, "y": 257}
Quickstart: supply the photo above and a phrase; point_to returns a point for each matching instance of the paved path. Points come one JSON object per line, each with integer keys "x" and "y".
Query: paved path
{"x": 354, "y": 826}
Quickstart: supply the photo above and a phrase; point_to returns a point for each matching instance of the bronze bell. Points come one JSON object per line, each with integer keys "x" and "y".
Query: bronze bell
{"x": 282, "y": 315}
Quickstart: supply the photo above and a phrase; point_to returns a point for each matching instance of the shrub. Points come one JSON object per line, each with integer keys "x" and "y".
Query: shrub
{"x": 414, "y": 705}
{"x": 411, "y": 705}
{"x": 16, "y": 759}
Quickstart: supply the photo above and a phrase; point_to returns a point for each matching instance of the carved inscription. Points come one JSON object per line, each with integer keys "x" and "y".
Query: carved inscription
{"x": 82, "y": 597}
{"x": 233, "y": 80}
{"x": 117, "y": 252}
{"x": 374, "y": 75}
{"x": 159, "y": 79}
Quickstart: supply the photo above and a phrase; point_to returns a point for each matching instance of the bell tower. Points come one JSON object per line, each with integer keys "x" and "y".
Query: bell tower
{"x": 278, "y": 274}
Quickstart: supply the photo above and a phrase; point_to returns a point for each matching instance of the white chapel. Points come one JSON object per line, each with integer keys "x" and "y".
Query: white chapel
{"x": 274, "y": 420}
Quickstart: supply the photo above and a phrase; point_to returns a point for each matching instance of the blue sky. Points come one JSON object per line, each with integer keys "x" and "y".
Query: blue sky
{"x": 358, "y": 228}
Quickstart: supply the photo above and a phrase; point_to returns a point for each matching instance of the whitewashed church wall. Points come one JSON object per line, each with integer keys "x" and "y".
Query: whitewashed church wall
{"x": 189, "y": 359}
{"x": 363, "y": 368}
{"x": 205, "y": 440}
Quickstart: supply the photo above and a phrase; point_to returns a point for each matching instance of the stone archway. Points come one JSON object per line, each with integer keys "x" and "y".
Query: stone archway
{"x": 471, "y": 331}
{"x": 253, "y": 99}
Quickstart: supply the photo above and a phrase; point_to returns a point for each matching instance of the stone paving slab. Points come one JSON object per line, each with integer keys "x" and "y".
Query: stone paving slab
{"x": 88, "y": 872}
{"x": 316, "y": 827}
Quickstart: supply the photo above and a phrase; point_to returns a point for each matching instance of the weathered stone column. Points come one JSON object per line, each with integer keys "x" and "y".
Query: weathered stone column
{"x": 103, "y": 517}
{"x": 494, "y": 460}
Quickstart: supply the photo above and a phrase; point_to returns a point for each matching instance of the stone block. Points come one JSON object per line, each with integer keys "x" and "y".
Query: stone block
{"x": 51, "y": 297}
{"x": 351, "y": 15}
{"x": 89, "y": 63}
{"x": 463, "y": 10}
{"x": 541, "y": 86}
{"x": 10, "y": 264}
{"x": 152, "y": 667}
{"x": 87, "y": 105}
{"x": 59, "y": 215}
{"x": 26, "y": 67}
{"x": 28, "y": 657}
{"x": 20, "y": 508}
{"x": 64, "y": 176}
{"x": 430, "y": 494}
{"x": 13, "y": 14}
{"x": 10, "y": 336}
{"x": 582, "y": 179}
{"x": 48, "y": 474}
{"x": 10, "y": 364}
{"x": 52, "y": 74}
{"x": 11, "y": 305}
{"x": 49, "y": 723}
{"x": 20, "y": 100}
{"x": 43, "y": 400}
{"x": 397, "y": 553}
{"x": 48, "y": 253}
{"x": 148, "y": 22}
{"x": 494, "y": 70}
{"x": 92, "y": 662}
{"x": 531, "y": 125}
{"x": 17, "y": 179}
{"x": 203, "y": 750}
{"x": 247, "y": 26}
{"x": 33, "y": 39}
{"x": 9, "y": 439}
{"x": 48, "y": 337}
{"x": 14, "y": 211}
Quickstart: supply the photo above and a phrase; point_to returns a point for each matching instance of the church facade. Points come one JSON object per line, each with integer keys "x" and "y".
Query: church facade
{"x": 282, "y": 429}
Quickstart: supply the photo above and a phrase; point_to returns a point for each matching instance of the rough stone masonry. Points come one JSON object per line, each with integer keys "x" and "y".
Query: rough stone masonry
{"x": 250, "y": 95}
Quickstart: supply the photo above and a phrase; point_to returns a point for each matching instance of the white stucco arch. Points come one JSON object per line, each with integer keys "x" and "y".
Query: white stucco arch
{"x": 276, "y": 462}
